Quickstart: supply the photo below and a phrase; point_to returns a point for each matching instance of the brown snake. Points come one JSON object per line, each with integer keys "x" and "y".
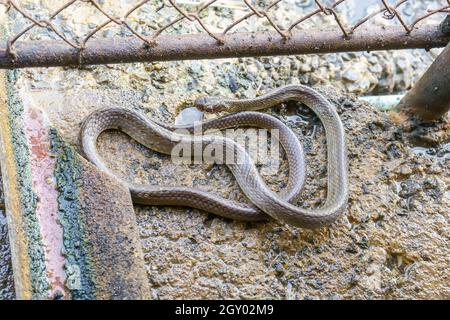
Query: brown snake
{"x": 162, "y": 138}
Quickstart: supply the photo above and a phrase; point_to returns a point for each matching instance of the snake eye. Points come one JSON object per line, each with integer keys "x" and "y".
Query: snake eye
{"x": 209, "y": 104}
{"x": 201, "y": 104}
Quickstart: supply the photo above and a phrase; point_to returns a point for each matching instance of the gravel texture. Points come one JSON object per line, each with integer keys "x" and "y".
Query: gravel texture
{"x": 391, "y": 243}
{"x": 393, "y": 240}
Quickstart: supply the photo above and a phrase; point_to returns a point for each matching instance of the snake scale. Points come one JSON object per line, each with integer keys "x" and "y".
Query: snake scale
{"x": 163, "y": 138}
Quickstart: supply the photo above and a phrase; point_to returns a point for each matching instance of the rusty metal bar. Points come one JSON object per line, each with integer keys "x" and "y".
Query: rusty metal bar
{"x": 429, "y": 99}
{"x": 202, "y": 46}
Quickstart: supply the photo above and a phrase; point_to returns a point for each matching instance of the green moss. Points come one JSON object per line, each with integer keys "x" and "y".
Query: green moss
{"x": 76, "y": 247}
{"x": 39, "y": 281}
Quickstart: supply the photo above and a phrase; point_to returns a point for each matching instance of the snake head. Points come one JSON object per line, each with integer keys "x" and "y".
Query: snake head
{"x": 210, "y": 104}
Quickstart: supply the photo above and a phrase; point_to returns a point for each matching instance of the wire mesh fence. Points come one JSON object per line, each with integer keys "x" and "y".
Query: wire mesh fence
{"x": 169, "y": 16}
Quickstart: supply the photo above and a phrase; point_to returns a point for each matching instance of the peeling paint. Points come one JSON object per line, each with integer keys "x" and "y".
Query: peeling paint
{"x": 44, "y": 185}
{"x": 39, "y": 283}
{"x": 67, "y": 173}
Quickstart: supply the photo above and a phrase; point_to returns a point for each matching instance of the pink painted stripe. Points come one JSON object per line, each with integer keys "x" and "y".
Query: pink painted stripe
{"x": 44, "y": 186}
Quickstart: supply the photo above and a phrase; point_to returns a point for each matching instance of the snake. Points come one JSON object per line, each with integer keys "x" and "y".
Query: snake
{"x": 264, "y": 202}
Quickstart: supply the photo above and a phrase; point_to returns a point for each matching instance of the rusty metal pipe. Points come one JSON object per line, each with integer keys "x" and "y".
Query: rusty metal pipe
{"x": 202, "y": 46}
{"x": 429, "y": 99}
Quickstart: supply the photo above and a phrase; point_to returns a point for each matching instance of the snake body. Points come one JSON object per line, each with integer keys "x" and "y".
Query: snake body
{"x": 163, "y": 138}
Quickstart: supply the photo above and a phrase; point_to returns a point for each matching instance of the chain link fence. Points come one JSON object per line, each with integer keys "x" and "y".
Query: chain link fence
{"x": 282, "y": 28}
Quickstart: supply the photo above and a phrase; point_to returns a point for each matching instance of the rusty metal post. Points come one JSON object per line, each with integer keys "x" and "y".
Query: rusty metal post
{"x": 429, "y": 99}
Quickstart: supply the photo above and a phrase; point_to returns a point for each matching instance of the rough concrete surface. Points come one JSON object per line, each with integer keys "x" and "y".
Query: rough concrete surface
{"x": 392, "y": 241}
{"x": 6, "y": 278}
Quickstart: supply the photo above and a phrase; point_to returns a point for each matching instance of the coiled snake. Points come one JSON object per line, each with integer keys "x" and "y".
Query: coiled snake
{"x": 162, "y": 138}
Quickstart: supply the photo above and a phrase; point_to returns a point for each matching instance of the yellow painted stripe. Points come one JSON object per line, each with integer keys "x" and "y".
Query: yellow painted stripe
{"x": 17, "y": 235}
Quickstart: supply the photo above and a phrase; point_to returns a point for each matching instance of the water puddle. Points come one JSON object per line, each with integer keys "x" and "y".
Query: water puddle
{"x": 423, "y": 148}
{"x": 298, "y": 113}
{"x": 189, "y": 116}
